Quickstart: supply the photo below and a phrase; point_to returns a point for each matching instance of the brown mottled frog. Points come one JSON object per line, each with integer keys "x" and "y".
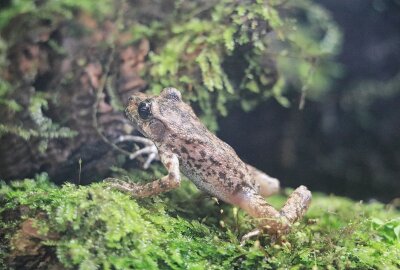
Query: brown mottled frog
{"x": 185, "y": 144}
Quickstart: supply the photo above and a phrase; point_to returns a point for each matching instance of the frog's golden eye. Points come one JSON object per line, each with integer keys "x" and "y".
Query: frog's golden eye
{"x": 144, "y": 109}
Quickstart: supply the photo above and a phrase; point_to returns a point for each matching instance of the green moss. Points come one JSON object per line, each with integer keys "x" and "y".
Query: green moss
{"x": 91, "y": 227}
{"x": 240, "y": 52}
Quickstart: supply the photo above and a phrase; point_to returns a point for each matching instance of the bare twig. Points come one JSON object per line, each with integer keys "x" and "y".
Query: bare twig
{"x": 103, "y": 81}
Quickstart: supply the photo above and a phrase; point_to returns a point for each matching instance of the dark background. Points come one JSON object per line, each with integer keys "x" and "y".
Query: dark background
{"x": 348, "y": 142}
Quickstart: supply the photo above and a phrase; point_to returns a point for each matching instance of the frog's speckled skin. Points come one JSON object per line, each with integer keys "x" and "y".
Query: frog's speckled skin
{"x": 185, "y": 144}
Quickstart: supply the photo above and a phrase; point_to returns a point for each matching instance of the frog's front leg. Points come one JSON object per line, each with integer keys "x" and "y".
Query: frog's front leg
{"x": 171, "y": 181}
{"x": 276, "y": 222}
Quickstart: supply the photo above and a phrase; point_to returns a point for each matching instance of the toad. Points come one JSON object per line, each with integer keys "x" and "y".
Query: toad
{"x": 186, "y": 145}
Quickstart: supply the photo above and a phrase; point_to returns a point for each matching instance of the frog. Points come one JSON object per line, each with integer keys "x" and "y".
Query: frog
{"x": 185, "y": 145}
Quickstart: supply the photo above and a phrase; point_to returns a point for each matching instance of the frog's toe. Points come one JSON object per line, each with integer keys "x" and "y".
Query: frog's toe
{"x": 249, "y": 235}
{"x": 110, "y": 181}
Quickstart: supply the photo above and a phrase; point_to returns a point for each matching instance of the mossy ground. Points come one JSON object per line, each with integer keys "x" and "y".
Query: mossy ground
{"x": 92, "y": 227}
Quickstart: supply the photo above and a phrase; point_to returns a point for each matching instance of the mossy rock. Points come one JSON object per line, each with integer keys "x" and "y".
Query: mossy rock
{"x": 91, "y": 227}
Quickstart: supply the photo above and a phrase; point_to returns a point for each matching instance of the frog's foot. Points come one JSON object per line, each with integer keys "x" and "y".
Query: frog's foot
{"x": 276, "y": 223}
{"x": 297, "y": 204}
{"x": 149, "y": 149}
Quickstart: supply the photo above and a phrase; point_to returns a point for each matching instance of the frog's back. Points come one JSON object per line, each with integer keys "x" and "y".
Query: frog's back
{"x": 210, "y": 163}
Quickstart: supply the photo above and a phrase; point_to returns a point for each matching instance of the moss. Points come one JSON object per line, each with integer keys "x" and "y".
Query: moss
{"x": 240, "y": 52}
{"x": 91, "y": 227}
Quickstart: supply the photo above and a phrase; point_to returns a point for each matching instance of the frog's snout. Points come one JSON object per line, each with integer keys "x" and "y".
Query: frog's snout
{"x": 133, "y": 100}
{"x": 128, "y": 113}
{"x": 131, "y": 108}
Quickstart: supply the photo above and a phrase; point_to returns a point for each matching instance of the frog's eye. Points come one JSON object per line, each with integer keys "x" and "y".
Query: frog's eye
{"x": 144, "y": 109}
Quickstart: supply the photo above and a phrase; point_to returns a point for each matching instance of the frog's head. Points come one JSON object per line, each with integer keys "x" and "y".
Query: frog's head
{"x": 157, "y": 115}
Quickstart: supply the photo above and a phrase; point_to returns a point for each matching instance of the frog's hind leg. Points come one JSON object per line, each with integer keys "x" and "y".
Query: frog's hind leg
{"x": 268, "y": 185}
{"x": 276, "y": 222}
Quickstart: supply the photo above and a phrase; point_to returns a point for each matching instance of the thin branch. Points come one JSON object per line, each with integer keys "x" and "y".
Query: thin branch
{"x": 103, "y": 81}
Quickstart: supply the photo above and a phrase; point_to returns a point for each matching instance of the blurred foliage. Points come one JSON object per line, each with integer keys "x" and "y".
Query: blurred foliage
{"x": 362, "y": 95}
{"x": 217, "y": 52}
{"x": 92, "y": 227}
{"x": 306, "y": 60}
{"x": 44, "y": 129}
{"x": 47, "y": 9}
{"x": 241, "y": 51}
